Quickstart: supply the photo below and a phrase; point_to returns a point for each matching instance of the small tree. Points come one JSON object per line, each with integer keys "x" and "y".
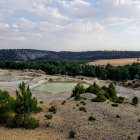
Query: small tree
{"x": 24, "y": 105}
{"x": 79, "y": 88}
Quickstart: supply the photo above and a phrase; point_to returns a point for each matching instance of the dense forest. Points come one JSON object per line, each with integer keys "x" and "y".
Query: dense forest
{"x": 73, "y": 68}
{"x": 39, "y": 55}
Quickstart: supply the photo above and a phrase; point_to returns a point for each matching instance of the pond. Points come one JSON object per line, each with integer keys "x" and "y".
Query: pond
{"x": 57, "y": 87}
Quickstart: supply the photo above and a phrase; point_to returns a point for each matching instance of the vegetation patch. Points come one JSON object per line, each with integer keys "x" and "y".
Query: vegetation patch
{"x": 77, "y": 97}
{"x": 115, "y": 105}
{"x": 63, "y": 102}
{"x": 48, "y": 116}
{"x": 91, "y": 118}
{"x": 82, "y": 109}
{"x": 53, "y": 109}
{"x": 72, "y": 134}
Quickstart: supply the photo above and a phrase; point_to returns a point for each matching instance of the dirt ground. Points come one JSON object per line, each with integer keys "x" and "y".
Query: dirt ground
{"x": 115, "y": 62}
{"x": 68, "y": 117}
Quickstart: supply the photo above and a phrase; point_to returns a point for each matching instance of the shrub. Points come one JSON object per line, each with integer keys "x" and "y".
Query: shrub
{"x": 48, "y": 124}
{"x": 135, "y": 100}
{"x": 83, "y": 103}
{"x": 77, "y": 105}
{"x": 77, "y": 97}
{"x": 38, "y": 109}
{"x": 115, "y": 105}
{"x": 79, "y": 88}
{"x": 118, "y": 99}
{"x": 82, "y": 109}
{"x": 73, "y": 107}
{"x": 31, "y": 123}
{"x": 41, "y": 102}
{"x": 117, "y": 116}
{"x": 107, "y": 95}
{"x": 138, "y": 138}
{"x": 72, "y": 134}
{"x": 85, "y": 98}
{"x": 53, "y": 109}
{"x": 63, "y": 102}
{"x": 93, "y": 89}
{"x": 91, "y": 118}
{"x": 100, "y": 98}
{"x": 49, "y": 116}
{"x": 138, "y": 120}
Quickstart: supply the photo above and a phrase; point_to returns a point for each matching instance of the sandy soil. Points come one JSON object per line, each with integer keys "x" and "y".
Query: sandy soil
{"x": 67, "y": 118}
{"x": 115, "y": 62}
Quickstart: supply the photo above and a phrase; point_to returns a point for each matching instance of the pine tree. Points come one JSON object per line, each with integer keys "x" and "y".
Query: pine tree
{"x": 25, "y": 104}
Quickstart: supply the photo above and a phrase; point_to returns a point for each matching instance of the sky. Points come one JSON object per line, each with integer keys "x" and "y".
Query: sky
{"x": 70, "y": 25}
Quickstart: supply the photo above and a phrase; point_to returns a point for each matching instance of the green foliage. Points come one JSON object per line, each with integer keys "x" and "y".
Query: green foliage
{"x": 31, "y": 123}
{"x": 77, "y": 97}
{"x": 138, "y": 120}
{"x": 63, "y": 102}
{"x": 77, "y": 105}
{"x": 91, "y": 118}
{"x": 118, "y": 99}
{"x": 49, "y": 116}
{"x": 138, "y": 138}
{"x": 82, "y": 109}
{"x": 24, "y": 105}
{"x": 117, "y": 116}
{"x": 53, "y": 109}
{"x": 83, "y": 103}
{"x": 79, "y": 88}
{"x": 41, "y": 102}
{"x": 100, "y": 98}
{"x": 38, "y": 109}
{"x": 7, "y": 104}
{"x": 93, "y": 89}
{"x": 115, "y": 105}
{"x": 135, "y": 100}
{"x": 72, "y": 134}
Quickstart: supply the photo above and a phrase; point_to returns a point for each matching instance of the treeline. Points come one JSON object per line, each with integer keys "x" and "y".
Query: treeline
{"x": 73, "y": 68}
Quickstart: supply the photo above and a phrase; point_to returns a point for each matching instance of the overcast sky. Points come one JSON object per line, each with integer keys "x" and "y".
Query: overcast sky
{"x": 70, "y": 25}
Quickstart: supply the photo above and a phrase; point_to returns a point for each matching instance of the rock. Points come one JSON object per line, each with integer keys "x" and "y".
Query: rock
{"x": 88, "y": 95}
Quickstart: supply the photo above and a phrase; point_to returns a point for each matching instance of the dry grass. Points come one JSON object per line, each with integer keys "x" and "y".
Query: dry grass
{"x": 115, "y": 62}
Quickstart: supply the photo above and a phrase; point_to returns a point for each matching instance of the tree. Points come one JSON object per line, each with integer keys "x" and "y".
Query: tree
{"x": 24, "y": 105}
{"x": 79, "y": 88}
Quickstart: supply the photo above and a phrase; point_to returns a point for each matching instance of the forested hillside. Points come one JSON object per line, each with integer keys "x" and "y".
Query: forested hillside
{"x": 35, "y": 55}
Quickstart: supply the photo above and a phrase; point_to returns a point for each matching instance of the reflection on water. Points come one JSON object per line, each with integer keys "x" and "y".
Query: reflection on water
{"x": 57, "y": 87}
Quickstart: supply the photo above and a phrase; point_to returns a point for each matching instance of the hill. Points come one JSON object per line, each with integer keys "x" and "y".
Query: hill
{"x": 34, "y": 55}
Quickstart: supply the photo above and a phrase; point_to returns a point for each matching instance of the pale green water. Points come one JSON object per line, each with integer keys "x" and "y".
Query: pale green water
{"x": 57, "y": 87}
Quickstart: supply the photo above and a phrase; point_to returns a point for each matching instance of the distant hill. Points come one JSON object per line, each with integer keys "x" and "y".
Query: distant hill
{"x": 34, "y": 55}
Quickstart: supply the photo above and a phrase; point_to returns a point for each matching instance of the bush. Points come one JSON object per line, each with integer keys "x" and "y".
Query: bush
{"x": 117, "y": 116}
{"x": 48, "y": 124}
{"x": 83, "y": 103}
{"x": 11, "y": 122}
{"x": 53, "y": 109}
{"x": 79, "y": 88}
{"x": 82, "y": 109}
{"x": 77, "y": 97}
{"x": 72, "y": 134}
{"x": 85, "y": 98}
{"x": 138, "y": 120}
{"x": 38, "y": 109}
{"x": 135, "y": 100}
{"x": 118, "y": 99}
{"x": 77, "y": 105}
{"x": 63, "y": 102}
{"x": 100, "y": 98}
{"x": 49, "y": 116}
{"x": 115, "y": 105}
{"x": 31, "y": 123}
{"x": 41, "y": 102}
{"x": 91, "y": 118}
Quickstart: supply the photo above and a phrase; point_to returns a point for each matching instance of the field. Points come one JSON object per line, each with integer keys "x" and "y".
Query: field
{"x": 115, "y": 62}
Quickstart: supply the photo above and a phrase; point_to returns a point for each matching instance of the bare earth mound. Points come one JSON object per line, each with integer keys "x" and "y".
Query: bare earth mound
{"x": 115, "y": 62}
